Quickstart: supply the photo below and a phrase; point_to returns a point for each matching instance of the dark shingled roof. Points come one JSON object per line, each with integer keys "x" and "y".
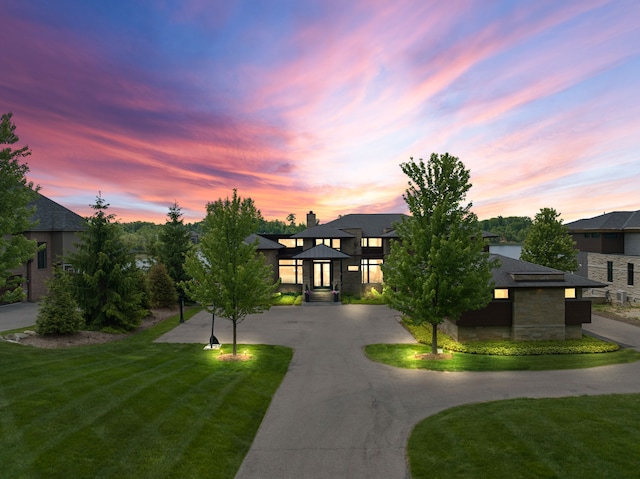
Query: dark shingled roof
{"x": 263, "y": 243}
{"x": 615, "y": 221}
{"x": 51, "y": 216}
{"x": 372, "y": 225}
{"x": 322, "y": 231}
{"x": 503, "y": 276}
{"x": 321, "y": 251}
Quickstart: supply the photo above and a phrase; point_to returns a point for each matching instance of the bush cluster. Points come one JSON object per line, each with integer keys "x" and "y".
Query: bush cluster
{"x": 586, "y": 345}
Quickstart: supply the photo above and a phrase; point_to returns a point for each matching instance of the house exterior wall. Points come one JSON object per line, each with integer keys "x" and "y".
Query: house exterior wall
{"x": 538, "y": 314}
{"x": 632, "y": 244}
{"x": 597, "y": 270}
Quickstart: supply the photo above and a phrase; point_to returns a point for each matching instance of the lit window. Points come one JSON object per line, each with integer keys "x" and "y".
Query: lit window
{"x": 290, "y": 271}
{"x": 570, "y": 293}
{"x": 371, "y": 271}
{"x": 290, "y": 242}
{"x": 371, "y": 242}
{"x": 353, "y": 267}
{"x": 500, "y": 294}
{"x": 330, "y": 242}
{"x": 42, "y": 255}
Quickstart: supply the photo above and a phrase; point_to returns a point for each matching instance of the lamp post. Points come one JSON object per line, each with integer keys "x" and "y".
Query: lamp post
{"x": 213, "y": 341}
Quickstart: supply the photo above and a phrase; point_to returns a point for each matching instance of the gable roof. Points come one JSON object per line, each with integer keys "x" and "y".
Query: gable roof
{"x": 51, "y": 216}
{"x": 321, "y": 251}
{"x": 515, "y": 273}
{"x": 615, "y": 221}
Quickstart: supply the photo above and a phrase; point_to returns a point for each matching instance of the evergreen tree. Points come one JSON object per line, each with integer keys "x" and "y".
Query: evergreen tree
{"x": 15, "y": 195}
{"x": 175, "y": 242}
{"x": 107, "y": 281}
{"x": 437, "y": 269}
{"x": 58, "y": 312}
{"x": 162, "y": 291}
{"x": 230, "y": 278}
{"x": 548, "y": 243}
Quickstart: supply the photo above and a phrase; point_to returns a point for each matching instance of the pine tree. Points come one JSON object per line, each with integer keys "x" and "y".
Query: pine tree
{"x": 107, "y": 283}
{"x": 437, "y": 269}
{"x": 230, "y": 278}
{"x": 175, "y": 242}
{"x": 548, "y": 243}
{"x": 58, "y": 312}
{"x": 162, "y": 292}
{"x": 15, "y": 195}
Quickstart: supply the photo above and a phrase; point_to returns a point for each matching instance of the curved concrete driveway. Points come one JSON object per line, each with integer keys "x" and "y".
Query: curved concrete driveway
{"x": 338, "y": 414}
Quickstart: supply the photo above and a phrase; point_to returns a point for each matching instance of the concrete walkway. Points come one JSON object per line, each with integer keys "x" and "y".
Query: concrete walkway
{"x": 338, "y": 414}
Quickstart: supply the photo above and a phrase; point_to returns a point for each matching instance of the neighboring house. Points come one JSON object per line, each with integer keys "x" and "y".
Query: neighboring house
{"x": 530, "y": 302}
{"x": 609, "y": 250}
{"x": 55, "y": 233}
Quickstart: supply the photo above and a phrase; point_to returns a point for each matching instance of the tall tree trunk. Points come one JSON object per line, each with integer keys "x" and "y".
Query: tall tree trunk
{"x": 434, "y": 339}
{"x": 234, "y": 337}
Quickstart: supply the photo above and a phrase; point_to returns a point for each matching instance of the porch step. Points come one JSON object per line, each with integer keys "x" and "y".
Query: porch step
{"x": 321, "y": 297}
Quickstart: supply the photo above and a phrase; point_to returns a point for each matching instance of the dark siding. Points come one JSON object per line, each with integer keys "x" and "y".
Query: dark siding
{"x": 496, "y": 313}
{"x": 577, "y": 311}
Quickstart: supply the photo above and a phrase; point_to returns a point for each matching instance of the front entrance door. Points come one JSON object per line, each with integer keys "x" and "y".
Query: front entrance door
{"x": 322, "y": 274}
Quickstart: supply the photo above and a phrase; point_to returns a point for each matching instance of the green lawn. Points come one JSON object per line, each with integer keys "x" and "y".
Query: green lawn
{"x": 578, "y": 437}
{"x": 404, "y": 356}
{"x": 132, "y": 408}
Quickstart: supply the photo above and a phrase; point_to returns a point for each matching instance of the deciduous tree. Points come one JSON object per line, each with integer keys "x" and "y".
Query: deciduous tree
{"x": 548, "y": 243}
{"x": 15, "y": 195}
{"x": 229, "y": 277}
{"x": 437, "y": 269}
{"x": 106, "y": 279}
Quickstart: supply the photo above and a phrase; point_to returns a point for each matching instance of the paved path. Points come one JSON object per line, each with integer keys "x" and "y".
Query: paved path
{"x": 338, "y": 414}
{"x": 18, "y": 315}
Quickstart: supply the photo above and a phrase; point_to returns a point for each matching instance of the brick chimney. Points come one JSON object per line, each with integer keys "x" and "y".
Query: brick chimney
{"x": 311, "y": 219}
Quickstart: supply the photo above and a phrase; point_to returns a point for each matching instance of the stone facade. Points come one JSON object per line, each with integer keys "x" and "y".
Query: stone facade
{"x": 538, "y": 314}
{"x": 597, "y": 269}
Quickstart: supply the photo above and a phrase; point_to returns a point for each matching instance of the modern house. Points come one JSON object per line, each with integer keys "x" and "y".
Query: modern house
{"x": 609, "y": 249}
{"x": 345, "y": 254}
{"x": 530, "y": 302}
{"x": 55, "y": 232}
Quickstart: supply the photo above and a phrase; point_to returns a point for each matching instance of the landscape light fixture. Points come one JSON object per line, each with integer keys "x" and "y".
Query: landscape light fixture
{"x": 213, "y": 341}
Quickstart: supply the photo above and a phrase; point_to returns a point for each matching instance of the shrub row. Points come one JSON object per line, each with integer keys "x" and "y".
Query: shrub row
{"x": 587, "y": 344}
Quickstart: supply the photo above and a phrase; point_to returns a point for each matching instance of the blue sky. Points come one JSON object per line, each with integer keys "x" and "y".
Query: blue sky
{"x": 307, "y": 105}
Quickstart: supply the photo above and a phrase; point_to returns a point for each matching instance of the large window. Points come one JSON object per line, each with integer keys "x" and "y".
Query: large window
{"x": 630, "y": 274}
{"x": 610, "y": 271}
{"x": 290, "y": 271}
{"x": 371, "y": 242}
{"x": 371, "y": 271}
{"x": 42, "y": 255}
{"x": 290, "y": 242}
{"x": 330, "y": 242}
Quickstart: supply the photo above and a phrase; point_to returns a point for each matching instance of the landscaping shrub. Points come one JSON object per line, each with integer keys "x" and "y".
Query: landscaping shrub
{"x": 505, "y": 347}
{"x": 286, "y": 299}
{"x": 59, "y": 312}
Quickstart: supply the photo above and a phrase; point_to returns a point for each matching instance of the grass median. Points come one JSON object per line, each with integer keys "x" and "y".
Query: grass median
{"x": 577, "y": 437}
{"x": 132, "y": 408}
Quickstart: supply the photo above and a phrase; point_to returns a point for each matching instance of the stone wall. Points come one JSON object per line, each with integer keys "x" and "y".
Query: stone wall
{"x": 538, "y": 314}
{"x": 597, "y": 270}
{"x": 474, "y": 333}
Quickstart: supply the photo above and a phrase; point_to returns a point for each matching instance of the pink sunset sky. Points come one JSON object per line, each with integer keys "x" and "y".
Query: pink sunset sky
{"x": 312, "y": 105}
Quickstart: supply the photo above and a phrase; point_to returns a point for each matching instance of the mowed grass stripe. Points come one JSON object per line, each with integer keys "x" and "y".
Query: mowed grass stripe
{"x": 132, "y": 408}
{"x": 88, "y": 402}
